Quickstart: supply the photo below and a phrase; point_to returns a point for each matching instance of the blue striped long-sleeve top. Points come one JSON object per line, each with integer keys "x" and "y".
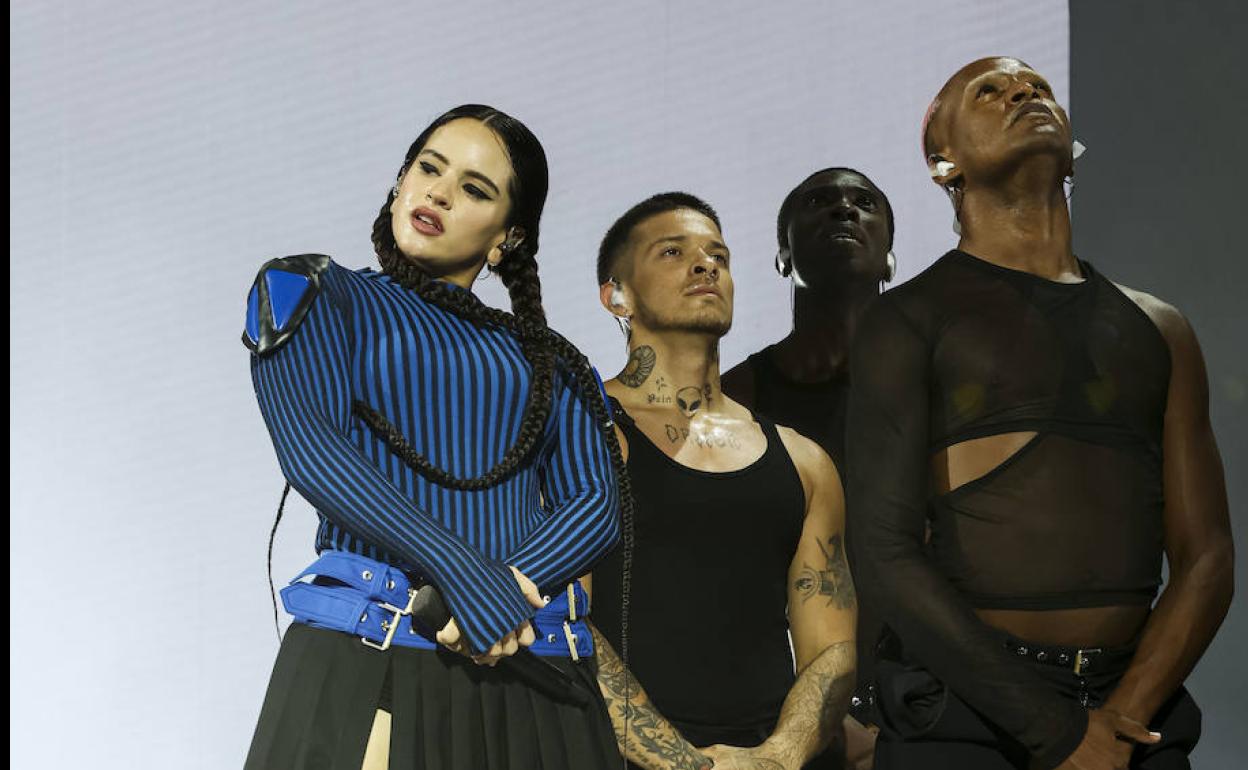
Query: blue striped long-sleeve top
{"x": 457, "y": 393}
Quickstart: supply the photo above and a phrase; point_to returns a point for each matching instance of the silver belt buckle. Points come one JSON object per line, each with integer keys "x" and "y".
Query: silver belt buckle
{"x": 391, "y": 625}
{"x": 1081, "y": 661}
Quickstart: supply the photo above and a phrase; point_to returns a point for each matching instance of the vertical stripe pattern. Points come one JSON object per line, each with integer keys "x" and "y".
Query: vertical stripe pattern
{"x": 457, "y": 393}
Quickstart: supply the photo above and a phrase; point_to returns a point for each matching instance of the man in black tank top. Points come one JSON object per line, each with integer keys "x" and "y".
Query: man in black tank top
{"x": 1050, "y": 431}
{"x": 738, "y": 532}
{"x": 835, "y": 238}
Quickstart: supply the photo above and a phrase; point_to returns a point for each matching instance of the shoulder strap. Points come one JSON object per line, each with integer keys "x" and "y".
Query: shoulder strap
{"x": 769, "y": 430}
{"x": 620, "y": 416}
{"x": 280, "y": 297}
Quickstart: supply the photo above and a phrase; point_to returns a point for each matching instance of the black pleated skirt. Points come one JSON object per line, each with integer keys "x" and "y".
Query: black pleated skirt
{"x": 447, "y": 713}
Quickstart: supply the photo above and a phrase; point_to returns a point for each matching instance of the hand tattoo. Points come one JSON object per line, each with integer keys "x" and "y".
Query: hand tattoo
{"x": 833, "y": 581}
{"x": 640, "y": 364}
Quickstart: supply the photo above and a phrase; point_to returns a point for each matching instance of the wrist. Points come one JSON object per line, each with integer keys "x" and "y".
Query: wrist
{"x": 1131, "y": 709}
{"x": 781, "y": 749}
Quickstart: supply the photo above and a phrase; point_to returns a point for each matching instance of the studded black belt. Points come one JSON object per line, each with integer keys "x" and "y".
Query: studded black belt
{"x": 1081, "y": 661}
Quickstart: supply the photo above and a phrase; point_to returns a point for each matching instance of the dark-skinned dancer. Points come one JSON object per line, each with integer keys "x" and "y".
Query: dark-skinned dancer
{"x": 1053, "y": 428}
{"x": 739, "y": 527}
{"x": 835, "y": 237}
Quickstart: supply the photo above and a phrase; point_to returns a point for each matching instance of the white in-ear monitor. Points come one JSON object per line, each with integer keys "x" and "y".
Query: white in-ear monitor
{"x": 943, "y": 167}
{"x": 1077, "y": 148}
{"x": 617, "y": 296}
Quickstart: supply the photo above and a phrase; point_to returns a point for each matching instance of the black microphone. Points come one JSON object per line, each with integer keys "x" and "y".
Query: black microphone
{"x": 430, "y": 615}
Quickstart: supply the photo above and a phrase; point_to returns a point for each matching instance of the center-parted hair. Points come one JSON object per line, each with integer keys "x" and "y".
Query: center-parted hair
{"x": 617, "y": 236}
{"x": 790, "y": 200}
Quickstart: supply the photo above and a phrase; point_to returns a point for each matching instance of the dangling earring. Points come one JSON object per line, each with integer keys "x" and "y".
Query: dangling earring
{"x": 1077, "y": 148}
{"x": 956, "y": 199}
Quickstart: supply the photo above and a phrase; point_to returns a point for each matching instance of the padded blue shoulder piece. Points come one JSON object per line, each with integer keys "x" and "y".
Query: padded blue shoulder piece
{"x": 284, "y": 290}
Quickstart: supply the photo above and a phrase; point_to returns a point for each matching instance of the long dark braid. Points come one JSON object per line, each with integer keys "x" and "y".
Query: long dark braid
{"x": 542, "y": 347}
{"x": 528, "y": 324}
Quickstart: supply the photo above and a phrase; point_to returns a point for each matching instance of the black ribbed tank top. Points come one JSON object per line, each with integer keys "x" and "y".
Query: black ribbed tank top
{"x": 708, "y": 627}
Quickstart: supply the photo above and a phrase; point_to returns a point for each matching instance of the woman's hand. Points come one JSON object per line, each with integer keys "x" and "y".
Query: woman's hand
{"x": 523, "y": 635}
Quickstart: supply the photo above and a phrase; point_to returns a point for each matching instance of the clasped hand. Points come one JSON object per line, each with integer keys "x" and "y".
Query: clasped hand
{"x": 522, "y": 636}
{"x": 1108, "y": 742}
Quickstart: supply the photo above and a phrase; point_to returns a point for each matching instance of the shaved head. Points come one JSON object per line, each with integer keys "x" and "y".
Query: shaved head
{"x": 935, "y": 121}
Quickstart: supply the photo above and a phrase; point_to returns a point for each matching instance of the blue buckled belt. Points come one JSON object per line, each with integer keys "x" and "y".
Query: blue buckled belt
{"x": 373, "y": 600}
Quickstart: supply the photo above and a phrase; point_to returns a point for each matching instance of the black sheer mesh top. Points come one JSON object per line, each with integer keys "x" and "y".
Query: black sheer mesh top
{"x": 1073, "y": 519}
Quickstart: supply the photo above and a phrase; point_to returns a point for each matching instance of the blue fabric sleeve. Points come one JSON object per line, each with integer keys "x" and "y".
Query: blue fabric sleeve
{"x": 305, "y": 397}
{"x": 579, "y": 488}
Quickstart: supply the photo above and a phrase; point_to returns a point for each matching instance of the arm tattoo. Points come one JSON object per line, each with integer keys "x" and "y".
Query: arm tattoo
{"x": 640, "y": 365}
{"x": 833, "y": 581}
{"x": 652, "y": 742}
{"x": 817, "y": 703}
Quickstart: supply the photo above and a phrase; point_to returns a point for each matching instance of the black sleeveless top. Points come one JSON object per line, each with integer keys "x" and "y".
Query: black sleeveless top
{"x": 708, "y": 630}
{"x": 970, "y": 349}
{"x": 815, "y": 410}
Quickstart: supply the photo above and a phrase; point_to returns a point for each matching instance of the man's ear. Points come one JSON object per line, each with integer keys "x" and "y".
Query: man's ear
{"x": 943, "y": 170}
{"x": 784, "y": 262}
{"x": 612, "y": 296}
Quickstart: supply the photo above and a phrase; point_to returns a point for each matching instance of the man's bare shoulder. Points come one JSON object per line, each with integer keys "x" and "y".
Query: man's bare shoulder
{"x": 1166, "y": 317}
{"x": 813, "y": 464}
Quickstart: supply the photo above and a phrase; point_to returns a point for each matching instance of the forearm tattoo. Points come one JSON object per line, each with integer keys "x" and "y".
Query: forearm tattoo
{"x": 833, "y": 581}
{"x": 817, "y": 703}
{"x": 640, "y": 365}
{"x": 651, "y": 742}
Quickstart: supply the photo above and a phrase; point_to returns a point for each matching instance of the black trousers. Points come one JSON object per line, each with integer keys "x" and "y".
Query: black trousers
{"x": 960, "y": 738}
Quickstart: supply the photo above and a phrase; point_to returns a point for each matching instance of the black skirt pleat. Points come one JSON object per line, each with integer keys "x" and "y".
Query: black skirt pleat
{"x": 447, "y": 713}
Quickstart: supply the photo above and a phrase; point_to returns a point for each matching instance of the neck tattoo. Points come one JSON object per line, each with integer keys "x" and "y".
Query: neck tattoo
{"x": 640, "y": 364}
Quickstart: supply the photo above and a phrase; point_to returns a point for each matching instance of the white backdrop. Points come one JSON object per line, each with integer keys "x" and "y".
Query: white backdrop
{"x": 159, "y": 152}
